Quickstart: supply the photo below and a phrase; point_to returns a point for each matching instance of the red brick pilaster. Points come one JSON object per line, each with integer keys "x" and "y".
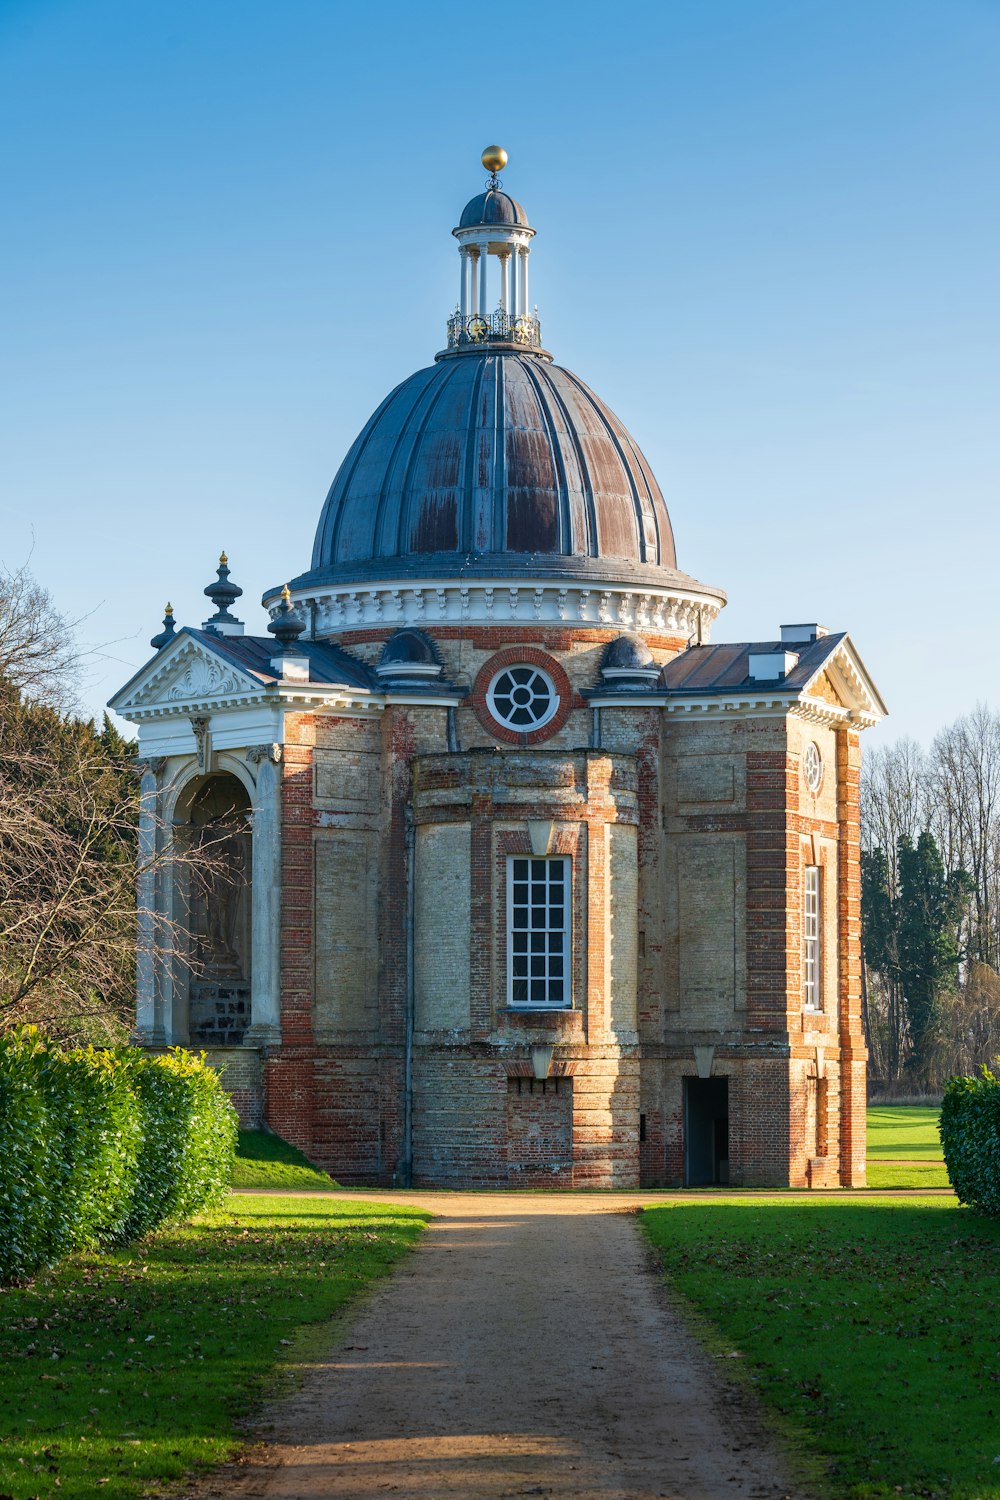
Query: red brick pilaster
{"x": 853, "y": 1054}
{"x": 289, "y": 1091}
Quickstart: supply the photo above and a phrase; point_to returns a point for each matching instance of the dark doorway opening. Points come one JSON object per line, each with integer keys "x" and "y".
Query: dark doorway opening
{"x": 706, "y": 1131}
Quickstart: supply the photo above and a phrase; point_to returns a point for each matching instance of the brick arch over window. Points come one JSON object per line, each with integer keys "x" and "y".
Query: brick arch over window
{"x": 522, "y": 656}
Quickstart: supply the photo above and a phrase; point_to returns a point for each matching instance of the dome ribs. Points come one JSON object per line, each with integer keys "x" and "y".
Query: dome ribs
{"x": 654, "y": 510}
{"x": 326, "y": 547}
{"x": 425, "y": 520}
{"x": 612, "y": 539}
{"x": 567, "y": 536}
{"x": 584, "y": 539}
{"x": 531, "y": 492}
{"x": 468, "y": 510}
{"x": 383, "y": 518}
{"x": 494, "y": 459}
{"x": 493, "y": 434}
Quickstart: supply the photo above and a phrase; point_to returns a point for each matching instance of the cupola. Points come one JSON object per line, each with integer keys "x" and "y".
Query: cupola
{"x": 493, "y": 305}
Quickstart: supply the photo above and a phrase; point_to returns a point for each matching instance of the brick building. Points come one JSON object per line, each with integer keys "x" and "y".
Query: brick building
{"x": 516, "y": 878}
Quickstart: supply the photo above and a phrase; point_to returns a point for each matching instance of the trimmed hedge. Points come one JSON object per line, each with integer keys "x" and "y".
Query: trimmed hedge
{"x": 970, "y": 1138}
{"x": 98, "y": 1148}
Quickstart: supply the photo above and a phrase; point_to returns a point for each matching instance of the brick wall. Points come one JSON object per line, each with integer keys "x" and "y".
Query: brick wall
{"x": 688, "y": 840}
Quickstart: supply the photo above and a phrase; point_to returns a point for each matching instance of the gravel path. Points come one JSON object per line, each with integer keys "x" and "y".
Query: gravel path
{"x": 525, "y": 1348}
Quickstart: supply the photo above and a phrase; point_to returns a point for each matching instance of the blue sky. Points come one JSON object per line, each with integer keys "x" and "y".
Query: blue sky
{"x": 767, "y": 236}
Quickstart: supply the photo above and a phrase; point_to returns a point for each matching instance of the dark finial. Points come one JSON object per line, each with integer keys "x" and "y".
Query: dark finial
{"x": 167, "y": 633}
{"x": 286, "y": 627}
{"x": 222, "y": 593}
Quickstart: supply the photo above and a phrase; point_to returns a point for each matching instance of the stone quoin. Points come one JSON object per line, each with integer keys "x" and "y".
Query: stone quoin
{"x": 516, "y": 878}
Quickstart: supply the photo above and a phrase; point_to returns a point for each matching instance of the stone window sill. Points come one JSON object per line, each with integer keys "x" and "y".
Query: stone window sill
{"x": 538, "y": 1015}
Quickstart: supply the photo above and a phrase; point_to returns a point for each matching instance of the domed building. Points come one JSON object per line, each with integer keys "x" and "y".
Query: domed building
{"x": 486, "y": 866}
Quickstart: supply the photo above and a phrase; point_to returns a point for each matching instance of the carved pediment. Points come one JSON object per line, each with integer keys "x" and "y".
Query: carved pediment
{"x": 822, "y": 687}
{"x": 844, "y": 684}
{"x": 183, "y": 674}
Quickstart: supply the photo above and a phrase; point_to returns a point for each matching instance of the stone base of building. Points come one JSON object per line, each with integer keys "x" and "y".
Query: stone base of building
{"x": 481, "y": 1119}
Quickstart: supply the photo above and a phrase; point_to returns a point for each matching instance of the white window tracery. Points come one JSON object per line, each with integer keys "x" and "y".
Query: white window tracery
{"x": 522, "y": 698}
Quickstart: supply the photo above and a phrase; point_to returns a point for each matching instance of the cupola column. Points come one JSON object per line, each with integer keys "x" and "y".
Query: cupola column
{"x": 483, "y": 306}
{"x": 504, "y": 279}
{"x": 525, "y": 304}
{"x": 463, "y": 286}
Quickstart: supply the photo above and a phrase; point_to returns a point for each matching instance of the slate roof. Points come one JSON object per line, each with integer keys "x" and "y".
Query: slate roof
{"x": 253, "y": 654}
{"x": 726, "y": 668}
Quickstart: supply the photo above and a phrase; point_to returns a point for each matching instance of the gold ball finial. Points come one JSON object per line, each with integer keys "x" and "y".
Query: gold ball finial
{"x": 169, "y": 609}
{"x": 223, "y": 560}
{"x": 286, "y": 594}
{"x": 494, "y": 158}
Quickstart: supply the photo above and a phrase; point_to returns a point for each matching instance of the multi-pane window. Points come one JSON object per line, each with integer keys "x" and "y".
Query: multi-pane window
{"x": 538, "y": 931}
{"x": 811, "y": 940}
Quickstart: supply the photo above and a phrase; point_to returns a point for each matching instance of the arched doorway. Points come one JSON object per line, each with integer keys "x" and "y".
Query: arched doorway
{"x": 215, "y": 820}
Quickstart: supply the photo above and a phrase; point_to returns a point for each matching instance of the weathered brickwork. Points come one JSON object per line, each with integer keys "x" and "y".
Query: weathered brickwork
{"x": 688, "y": 842}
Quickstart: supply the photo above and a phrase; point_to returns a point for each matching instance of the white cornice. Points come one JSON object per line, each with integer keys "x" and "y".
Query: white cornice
{"x": 678, "y": 610}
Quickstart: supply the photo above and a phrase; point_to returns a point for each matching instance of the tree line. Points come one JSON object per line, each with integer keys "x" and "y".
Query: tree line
{"x": 930, "y": 900}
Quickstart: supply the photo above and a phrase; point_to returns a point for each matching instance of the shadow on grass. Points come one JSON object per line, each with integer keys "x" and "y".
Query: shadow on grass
{"x": 127, "y": 1370}
{"x": 869, "y": 1326}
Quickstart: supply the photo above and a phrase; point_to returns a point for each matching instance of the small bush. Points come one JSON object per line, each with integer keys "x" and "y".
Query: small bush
{"x": 970, "y": 1139}
{"x": 101, "y": 1147}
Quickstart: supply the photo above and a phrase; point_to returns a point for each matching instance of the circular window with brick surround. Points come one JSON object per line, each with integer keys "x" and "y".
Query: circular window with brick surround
{"x": 812, "y": 767}
{"x": 522, "y": 695}
{"x": 522, "y": 698}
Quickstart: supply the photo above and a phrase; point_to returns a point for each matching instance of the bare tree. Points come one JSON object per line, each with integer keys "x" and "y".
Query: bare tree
{"x": 68, "y": 911}
{"x": 38, "y": 653}
{"x": 953, "y": 793}
{"x": 893, "y": 797}
{"x": 964, "y": 815}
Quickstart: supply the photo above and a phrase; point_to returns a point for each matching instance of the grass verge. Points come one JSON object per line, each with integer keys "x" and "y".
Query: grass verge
{"x": 266, "y": 1161}
{"x": 120, "y": 1373}
{"x": 869, "y": 1327}
{"x": 903, "y": 1131}
{"x": 907, "y": 1174}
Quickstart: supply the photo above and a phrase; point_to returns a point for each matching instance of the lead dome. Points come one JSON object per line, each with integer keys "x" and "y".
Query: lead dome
{"x": 492, "y": 207}
{"x": 494, "y": 460}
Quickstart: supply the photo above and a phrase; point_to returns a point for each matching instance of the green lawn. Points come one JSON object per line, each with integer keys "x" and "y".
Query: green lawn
{"x": 904, "y": 1148}
{"x": 266, "y": 1161}
{"x": 918, "y": 1174}
{"x": 119, "y": 1373}
{"x": 903, "y": 1130}
{"x": 869, "y": 1326}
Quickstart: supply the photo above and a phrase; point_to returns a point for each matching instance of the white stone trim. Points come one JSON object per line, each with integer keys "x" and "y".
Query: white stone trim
{"x": 500, "y": 601}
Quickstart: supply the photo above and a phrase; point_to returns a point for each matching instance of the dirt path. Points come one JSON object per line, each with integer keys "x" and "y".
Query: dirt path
{"x": 525, "y": 1348}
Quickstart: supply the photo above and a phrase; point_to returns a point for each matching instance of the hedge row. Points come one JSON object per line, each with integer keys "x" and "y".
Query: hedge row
{"x": 98, "y": 1148}
{"x": 970, "y": 1138}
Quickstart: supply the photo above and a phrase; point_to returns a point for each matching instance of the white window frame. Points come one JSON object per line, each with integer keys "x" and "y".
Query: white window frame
{"x": 517, "y": 912}
{"x": 812, "y": 767}
{"x": 812, "y": 938}
{"x": 550, "y": 687}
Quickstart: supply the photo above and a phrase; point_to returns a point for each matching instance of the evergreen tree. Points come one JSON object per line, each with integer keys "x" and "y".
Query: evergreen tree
{"x": 930, "y": 908}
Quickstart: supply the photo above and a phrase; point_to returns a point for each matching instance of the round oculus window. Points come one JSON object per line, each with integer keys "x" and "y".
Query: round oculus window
{"x": 813, "y": 767}
{"x": 522, "y": 698}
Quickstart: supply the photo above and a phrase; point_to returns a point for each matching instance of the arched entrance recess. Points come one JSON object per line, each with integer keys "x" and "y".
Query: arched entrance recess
{"x": 213, "y": 821}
